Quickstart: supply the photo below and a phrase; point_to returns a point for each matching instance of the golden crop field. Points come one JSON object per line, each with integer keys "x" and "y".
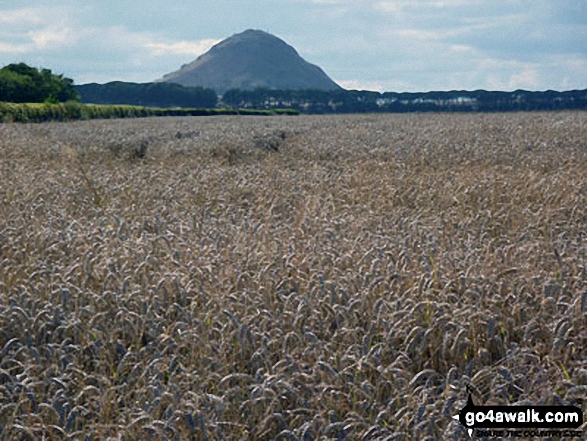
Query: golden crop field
{"x": 289, "y": 278}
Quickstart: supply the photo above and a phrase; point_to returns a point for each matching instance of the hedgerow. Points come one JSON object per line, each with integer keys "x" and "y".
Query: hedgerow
{"x": 71, "y": 111}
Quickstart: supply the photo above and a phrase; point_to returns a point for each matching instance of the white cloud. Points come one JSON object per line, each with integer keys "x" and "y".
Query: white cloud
{"x": 183, "y": 47}
{"x": 526, "y": 79}
{"x": 329, "y": 2}
{"x": 461, "y": 48}
{"x": 426, "y": 34}
{"x": 41, "y": 40}
{"x": 8, "y": 48}
{"x": 29, "y": 30}
{"x": 400, "y": 5}
{"x": 22, "y": 16}
{"x": 506, "y": 75}
{"x": 573, "y": 64}
{"x": 360, "y": 85}
{"x": 52, "y": 38}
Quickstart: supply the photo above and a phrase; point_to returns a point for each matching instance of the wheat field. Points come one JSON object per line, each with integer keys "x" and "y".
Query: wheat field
{"x": 289, "y": 278}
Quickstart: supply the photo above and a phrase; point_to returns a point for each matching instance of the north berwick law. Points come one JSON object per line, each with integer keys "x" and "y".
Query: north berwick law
{"x": 249, "y": 60}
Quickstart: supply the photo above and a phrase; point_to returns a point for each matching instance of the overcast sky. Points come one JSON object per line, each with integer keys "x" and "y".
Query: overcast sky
{"x": 389, "y": 45}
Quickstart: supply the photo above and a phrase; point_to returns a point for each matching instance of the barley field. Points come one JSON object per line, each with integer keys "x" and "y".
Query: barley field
{"x": 289, "y": 278}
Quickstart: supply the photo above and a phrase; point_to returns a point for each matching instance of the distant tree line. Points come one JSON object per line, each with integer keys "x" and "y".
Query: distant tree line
{"x": 148, "y": 94}
{"x": 20, "y": 83}
{"x": 353, "y": 101}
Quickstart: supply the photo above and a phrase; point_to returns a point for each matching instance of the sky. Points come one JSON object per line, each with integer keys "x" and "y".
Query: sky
{"x": 387, "y": 45}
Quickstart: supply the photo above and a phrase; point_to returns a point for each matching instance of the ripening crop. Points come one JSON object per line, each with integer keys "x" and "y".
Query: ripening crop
{"x": 289, "y": 278}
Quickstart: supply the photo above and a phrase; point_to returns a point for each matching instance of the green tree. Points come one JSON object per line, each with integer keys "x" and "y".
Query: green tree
{"x": 21, "y": 83}
{"x": 16, "y": 88}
